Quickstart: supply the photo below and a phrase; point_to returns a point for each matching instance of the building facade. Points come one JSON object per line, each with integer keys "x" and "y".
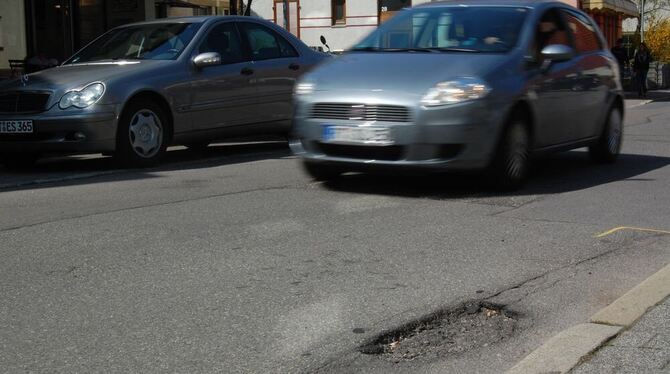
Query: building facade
{"x": 57, "y": 28}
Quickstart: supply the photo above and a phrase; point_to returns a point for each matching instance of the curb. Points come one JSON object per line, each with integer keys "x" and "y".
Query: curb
{"x": 564, "y": 351}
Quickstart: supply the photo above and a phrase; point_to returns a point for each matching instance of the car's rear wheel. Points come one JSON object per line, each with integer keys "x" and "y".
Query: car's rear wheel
{"x": 321, "y": 172}
{"x": 511, "y": 163}
{"x": 19, "y": 161}
{"x": 143, "y": 134}
{"x": 608, "y": 146}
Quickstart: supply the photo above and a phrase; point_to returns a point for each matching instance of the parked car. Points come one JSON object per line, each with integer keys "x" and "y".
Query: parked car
{"x": 476, "y": 85}
{"x": 141, "y": 87}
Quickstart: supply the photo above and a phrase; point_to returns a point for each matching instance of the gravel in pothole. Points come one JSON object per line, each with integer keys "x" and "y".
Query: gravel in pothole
{"x": 445, "y": 333}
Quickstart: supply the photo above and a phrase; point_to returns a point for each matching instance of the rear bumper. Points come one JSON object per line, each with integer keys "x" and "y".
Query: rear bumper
{"x": 86, "y": 131}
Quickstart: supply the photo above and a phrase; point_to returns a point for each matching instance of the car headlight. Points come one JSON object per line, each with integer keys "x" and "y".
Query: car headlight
{"x": 303, "y": 89}
{"x": 83, "y": 98}
{"x": 456, "y": 91}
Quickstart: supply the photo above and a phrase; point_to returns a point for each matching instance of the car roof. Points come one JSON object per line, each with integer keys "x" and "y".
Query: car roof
{"x": 191, "y": 19}
{"x": 521, "y": 3}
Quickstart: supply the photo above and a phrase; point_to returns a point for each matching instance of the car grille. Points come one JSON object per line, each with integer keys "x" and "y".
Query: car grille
{"x": 382, "y": 153}
{"x": 23, "y": 102}
{"x": 361, "y": 112}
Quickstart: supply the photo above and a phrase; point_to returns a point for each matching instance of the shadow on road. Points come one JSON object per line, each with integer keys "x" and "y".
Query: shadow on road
{"x": 76, "y": 170}
{"x": 565, "y": 172}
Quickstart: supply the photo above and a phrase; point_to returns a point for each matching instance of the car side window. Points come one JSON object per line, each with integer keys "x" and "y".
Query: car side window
{"x": 266, "y": 44}
{"x": 224, "y": 40}
{"x": 584, "y": 34}
{"x": 550, "y": 30}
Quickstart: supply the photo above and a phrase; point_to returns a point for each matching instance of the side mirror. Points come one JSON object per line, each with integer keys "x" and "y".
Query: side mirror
{"x": 207, "y": 59}
{"x": 556, "y": 53}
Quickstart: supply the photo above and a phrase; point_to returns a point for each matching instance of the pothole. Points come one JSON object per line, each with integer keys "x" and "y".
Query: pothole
{"x": 449, "y": 332}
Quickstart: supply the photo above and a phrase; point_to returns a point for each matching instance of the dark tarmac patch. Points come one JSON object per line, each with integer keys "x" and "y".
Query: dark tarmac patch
{"x": 444, "y": 333}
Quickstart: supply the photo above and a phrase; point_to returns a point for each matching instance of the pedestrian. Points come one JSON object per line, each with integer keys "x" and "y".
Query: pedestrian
{"x": 621, "y": 55}
{"x": 641, "y": 66}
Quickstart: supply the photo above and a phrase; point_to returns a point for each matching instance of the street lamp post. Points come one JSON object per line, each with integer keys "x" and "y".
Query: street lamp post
{"x": 642, "y": 22}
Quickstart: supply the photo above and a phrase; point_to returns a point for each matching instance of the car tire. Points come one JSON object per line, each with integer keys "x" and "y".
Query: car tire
{"x": 608, "y": 146}
{"x": 321, "y": 172}
{"x": 19, "y": 161}
{"x": 143, "y": 134}
{"x": 511, "y": 164}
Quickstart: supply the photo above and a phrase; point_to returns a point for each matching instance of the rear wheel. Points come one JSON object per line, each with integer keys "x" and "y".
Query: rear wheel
{"x": 321, "y": 172}
{"x": 608, "y": 147}
{"x": 143, "y": 134}
{"x": 19, "y": 161}
{"x": 511, "y": 164}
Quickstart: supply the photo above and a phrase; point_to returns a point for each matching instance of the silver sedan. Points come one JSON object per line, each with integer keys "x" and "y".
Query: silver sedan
{"x": 141, "y": 87}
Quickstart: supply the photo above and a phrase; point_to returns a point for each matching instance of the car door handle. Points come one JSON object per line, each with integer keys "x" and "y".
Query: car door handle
{"x": 294, "y": 66}
{"x": 247, "y": 71}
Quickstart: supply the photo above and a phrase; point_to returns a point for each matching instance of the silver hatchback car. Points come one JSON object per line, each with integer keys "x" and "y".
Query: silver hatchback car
{"x": 476, "y": 85}
{"x": 141, "y": 87}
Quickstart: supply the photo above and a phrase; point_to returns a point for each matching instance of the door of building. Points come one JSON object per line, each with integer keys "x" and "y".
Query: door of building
{"x": 388, "y": 8}
{"x": 288, "y": 18}
{"x": 50, "y": 28}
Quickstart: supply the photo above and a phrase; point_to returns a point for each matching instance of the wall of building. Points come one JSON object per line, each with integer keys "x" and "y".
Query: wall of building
{"x": 12, "y": 32}
{"x": 316, "y": 20}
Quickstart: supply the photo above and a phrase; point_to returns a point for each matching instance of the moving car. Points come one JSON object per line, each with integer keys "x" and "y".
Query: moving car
{"x": 472, "y": 85}
{"x": 141, "y": 87}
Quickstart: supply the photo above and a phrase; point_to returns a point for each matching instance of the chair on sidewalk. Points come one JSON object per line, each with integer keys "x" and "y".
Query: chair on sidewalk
{"x": 17, "y": 67}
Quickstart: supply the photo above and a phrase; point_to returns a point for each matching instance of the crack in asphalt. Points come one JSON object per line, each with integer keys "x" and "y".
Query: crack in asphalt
{"x": 542, "y": 286}
{"x": 280, "y": 188}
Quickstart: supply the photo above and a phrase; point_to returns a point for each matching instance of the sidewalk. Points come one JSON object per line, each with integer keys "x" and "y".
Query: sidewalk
{"x": 644, "y": 348}
{"x": 631, "y": 335}
{"x": 632, "y": 99}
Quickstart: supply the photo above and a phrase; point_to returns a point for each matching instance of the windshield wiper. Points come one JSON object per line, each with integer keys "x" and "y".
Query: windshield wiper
{"x": 451, "y": 49}
{"x": 376, "y": 49}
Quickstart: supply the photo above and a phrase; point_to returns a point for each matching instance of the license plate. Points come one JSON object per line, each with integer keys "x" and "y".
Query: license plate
{"x": 16, "y": 127}
{"x": 357, "y": 134}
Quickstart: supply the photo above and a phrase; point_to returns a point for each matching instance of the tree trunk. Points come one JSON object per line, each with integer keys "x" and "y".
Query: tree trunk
{"x": 247, "y": 12}
{"x": 233, "y": 7}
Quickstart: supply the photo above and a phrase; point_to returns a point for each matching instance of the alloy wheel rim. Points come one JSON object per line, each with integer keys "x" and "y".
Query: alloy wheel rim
{"x": 145, "y": 133}
{"x": 614, "y": 135}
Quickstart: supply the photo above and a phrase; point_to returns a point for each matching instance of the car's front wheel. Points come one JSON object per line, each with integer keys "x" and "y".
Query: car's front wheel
{"x": 511, "y": 163}
{"x": 143, "y": 134}
{"x": 608, "y": 146}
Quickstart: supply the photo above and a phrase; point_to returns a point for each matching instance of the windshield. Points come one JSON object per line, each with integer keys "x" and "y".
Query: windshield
{"x": 449, "y": 29}
{"x": 157, "y": 41}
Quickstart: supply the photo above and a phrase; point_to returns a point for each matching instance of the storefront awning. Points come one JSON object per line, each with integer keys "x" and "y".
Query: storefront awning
{"x": 625, "y": 7}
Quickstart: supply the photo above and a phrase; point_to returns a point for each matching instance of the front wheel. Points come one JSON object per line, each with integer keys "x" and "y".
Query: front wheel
{"x": 511, "y": 163}
{"x": 142, "y": 135}
{"x": 608, "y": 146}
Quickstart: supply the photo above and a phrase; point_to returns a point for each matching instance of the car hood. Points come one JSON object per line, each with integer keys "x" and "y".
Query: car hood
{"x": 410, "y": 72}
{"x": 67, "y": 77}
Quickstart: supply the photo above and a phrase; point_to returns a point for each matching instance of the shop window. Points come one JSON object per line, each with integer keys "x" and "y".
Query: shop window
{"x": 339, "y": 11}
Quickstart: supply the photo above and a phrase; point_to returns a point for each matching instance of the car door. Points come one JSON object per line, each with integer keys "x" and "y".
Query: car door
{"x": 594, "y": 72}
{"x": 277, "y": 65}
{"x": 223, "y": 95}
{"x": 552, "y": 88}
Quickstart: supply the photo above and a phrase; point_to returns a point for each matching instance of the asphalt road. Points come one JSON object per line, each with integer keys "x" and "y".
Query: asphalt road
{"x": 234, "y": 261}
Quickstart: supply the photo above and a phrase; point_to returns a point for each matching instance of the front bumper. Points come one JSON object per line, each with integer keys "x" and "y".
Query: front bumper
{"x": 456, "y": 137}
{"x": 71, "y": 131}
